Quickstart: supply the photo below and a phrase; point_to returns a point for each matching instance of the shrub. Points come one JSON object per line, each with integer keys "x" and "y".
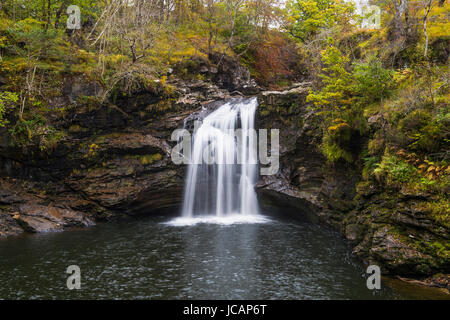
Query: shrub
{"x": 7, "y": 101}
{"x": 333, "y": 151}
{"x": 394, "y": 171}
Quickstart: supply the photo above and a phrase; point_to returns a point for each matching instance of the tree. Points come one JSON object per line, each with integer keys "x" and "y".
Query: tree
{"x": 213, "y": 22}
{"x": 405, "y": 22}
{"x": 373, "y": 81}
{"x": 425, "y": 18}
{"x": 136, "y": 23}
{"x": 30, "y": 42}
{"x": 336, "y": 93}
{"x": 305, "y": 18}
{"x": 337, "y": 103}
{"x": 401, "y": 8}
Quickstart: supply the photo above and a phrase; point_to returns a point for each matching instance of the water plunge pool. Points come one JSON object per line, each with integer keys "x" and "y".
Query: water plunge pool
{"x": 149, "y": 258}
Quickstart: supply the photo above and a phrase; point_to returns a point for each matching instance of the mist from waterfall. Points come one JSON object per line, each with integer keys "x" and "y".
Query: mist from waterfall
{"x": 224, "y": 167}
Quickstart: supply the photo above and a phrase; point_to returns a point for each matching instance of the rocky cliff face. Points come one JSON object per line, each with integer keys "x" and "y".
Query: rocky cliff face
{"x": 389, "y": 228}
{"x": 115, "y": 159}
{"x": 304, "y": 181}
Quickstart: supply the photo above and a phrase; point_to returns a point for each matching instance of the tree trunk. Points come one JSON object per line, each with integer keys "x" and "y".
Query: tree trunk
{"x": 425, "y": 27}
{"x": 49, "y": 18}
{"x": 58, "y": 15}
{"x": 401, "y": 8}
{"x": 43, "y": 11}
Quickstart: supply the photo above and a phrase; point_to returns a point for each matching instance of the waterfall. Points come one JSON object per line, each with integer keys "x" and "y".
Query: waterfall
{"x": 223, "y": 168}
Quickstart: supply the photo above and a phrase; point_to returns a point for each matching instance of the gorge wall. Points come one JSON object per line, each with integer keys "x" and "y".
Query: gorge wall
{"x": 384, "y": 226}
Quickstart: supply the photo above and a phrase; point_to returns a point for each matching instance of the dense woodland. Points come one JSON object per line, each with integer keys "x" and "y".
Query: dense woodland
{"x": 394, "y": 78}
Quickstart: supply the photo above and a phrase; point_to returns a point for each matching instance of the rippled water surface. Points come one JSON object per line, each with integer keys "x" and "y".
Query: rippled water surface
{"x": 152, "y": 259}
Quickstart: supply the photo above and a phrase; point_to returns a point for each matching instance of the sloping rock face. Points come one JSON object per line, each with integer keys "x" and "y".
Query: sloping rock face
{"x": 27, "y": 208}
{"x": 222, "y": 70}
{"x": 389, "y": 228}
{"x": 304, "y": 181}
{"x": 8, "y": 226}
{"x": 39, "y": 218}
{"x": 232, "y": 75}
{"x": 122, "y": 166}
{"x": 397, "y": 229}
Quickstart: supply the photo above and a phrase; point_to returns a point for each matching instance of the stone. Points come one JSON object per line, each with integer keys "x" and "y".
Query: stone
{"x": 354, "y": 232}
{"x": 8, "y": 225}
{"x": 39, "y": 218}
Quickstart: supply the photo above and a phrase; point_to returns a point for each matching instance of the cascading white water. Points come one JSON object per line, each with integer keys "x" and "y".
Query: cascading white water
{"x": 223, "y": 168}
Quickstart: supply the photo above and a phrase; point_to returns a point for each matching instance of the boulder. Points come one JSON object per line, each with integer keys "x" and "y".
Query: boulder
{"x": 396, "y": 255}
{"x": 39, "y": 218}
{"x": 8, "y": 225}
{"x": 232, "y": 76}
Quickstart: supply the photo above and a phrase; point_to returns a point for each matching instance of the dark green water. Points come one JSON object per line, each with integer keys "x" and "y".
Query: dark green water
{"x": 147, "y": 259}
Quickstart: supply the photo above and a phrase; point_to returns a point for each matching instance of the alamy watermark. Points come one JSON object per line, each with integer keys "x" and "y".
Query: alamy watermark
{"x": 74, "y": 17}
{"x": 374, "y": 280}
{"x": 74, "y": 280}
{"x": 371, "y": 15}
{"x": 182, "y": 153}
